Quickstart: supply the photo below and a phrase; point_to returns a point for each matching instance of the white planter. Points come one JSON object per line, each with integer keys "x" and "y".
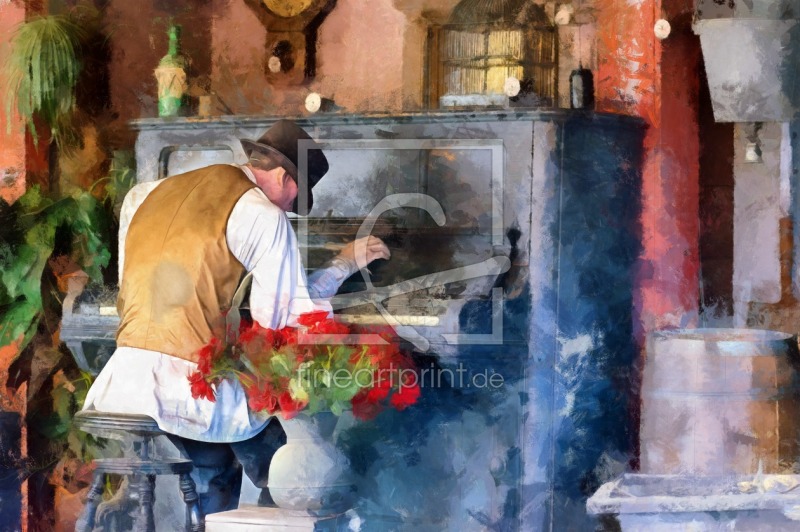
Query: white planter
{"x": 309, "y": 473}
{"x": 751, "y": 67}
{"x": 667, "y": 503}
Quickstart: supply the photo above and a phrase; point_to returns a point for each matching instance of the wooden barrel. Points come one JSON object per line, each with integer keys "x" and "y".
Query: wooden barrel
{"x": 718, "y": 401}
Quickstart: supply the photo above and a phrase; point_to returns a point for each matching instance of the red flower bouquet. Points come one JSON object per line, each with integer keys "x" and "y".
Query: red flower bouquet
{"x": 323, "y": 365}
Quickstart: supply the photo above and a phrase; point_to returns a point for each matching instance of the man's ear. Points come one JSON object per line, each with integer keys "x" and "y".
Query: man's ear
{"x": 283, "y": 176}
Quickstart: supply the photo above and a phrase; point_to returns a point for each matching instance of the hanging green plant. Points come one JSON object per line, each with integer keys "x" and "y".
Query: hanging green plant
{"x": 42, "y": 71}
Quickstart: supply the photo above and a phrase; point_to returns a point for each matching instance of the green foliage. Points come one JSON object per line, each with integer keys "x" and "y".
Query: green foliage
{"x": 27, "y": 244}
{"x": 331, "y": 382}
{"x": 120, "y": 179}
{"x": 42, "y": 71}
{"x": 68, "y": 396}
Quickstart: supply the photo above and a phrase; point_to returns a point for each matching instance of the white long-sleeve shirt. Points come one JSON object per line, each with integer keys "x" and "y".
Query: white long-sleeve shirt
{"x": 139, "y": 381}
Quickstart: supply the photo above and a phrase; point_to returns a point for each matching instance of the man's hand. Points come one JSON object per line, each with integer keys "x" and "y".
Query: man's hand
{"x": 358, "y": 253}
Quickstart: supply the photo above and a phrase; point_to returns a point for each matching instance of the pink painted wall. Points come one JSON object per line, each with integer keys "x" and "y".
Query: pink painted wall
{"x": 237, "y": 56}
{"x": 360, "y": 60}
{"x": 362, "y": 56}
{"x": 12, "y": 130}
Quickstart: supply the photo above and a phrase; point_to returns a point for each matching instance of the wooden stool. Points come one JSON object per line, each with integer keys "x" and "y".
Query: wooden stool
{"x": 142, "y": 470}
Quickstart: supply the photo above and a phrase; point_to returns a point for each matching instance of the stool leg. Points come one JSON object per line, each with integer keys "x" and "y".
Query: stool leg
{"x": 194, "y": 520}
{"x": 86, "y": 521}
{"x": 134, "y": 482}
{"x": 146, "y": 521}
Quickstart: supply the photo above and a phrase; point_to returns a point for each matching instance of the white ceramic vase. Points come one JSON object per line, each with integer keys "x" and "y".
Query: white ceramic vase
{"x": 309, "y": 473}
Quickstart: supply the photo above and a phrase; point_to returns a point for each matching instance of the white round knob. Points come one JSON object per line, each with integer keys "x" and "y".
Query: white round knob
{"x": 662, "y": 29}
{"x": 511, "y": 87}
{"x": 564, "y": 14}
{"x": 274, "y": 64}
{"x": 313, "y": 102}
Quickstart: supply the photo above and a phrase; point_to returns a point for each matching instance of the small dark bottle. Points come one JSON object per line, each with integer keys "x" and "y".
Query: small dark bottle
{"x": 581, "y": 89}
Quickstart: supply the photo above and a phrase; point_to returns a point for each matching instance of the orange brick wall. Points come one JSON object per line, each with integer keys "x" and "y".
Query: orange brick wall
{"x": 12, "y": 135}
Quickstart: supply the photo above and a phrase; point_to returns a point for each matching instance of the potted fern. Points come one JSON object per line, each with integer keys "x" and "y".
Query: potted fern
{"x": 42, "y": 72}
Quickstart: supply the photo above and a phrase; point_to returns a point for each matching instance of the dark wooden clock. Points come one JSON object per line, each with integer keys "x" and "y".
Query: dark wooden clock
{"x": 291, "y": 37}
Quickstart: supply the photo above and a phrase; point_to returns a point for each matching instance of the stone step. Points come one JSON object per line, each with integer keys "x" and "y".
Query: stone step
{"x": 260, "y": 519}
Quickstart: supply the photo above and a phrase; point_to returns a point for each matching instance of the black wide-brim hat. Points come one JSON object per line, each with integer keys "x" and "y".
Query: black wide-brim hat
{"x": 282, "y": 140}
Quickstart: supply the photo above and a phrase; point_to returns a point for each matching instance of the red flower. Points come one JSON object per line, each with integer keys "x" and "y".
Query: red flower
{"x": 304, "y": 355}
{"x": 406, "y": 396}
{"x": 263, "y": 402}
{"x": 256, "y": 339}
{"x": 204, "y": 365}
{"x": 310, "y": 319}
{"x": 261, "y": 398}
{"x": 201, "y": 388}
{"x": 364, "y": 409}
{"x": 252, "y": 361}
{"x": 248, "y": 332}
{"x": 208, "y": 355}
{"x": 380, "y": 391}
{"x": 285, "y": 336}
{"x": 318, "y": 322}
{"x": 330, "y": 327}
{"x": 290, "y": 407}
{"x": 386, "y": 356}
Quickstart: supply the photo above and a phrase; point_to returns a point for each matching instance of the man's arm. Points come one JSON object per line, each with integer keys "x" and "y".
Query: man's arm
{"x": 325, "y": 282}
{"x": 260, "y": 236}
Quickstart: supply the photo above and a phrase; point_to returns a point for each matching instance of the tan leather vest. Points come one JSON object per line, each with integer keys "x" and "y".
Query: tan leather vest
{"x": 179, "y": 275}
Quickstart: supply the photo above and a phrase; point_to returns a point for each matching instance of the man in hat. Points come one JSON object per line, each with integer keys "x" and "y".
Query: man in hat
{"x": 191, "y": 239}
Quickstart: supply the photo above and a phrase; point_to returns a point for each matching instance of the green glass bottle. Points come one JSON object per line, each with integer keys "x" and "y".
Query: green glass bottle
{"x": 171, "y": 77}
